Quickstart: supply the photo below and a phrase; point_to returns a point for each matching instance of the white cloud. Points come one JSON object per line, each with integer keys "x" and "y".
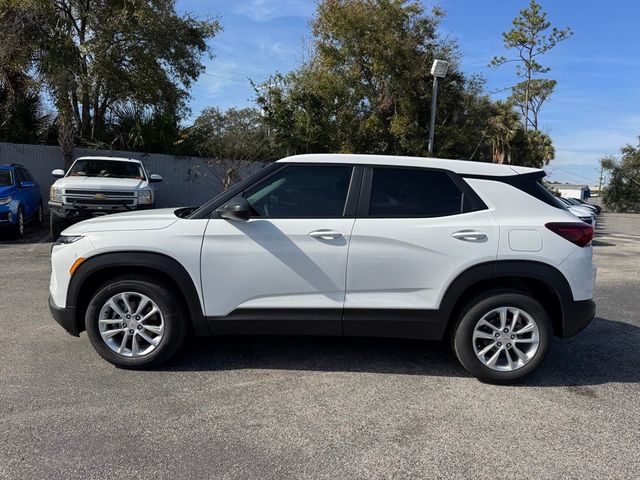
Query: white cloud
{"x": 266, "y": 10}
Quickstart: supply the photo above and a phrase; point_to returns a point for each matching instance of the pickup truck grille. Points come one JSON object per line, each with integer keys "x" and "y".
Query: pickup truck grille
{"x": 93, "y": 201}
{"x": 100, "y": 199}
{"x": 108, "y": 193}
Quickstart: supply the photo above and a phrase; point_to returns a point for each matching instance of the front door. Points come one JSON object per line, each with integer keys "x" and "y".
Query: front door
{"x": 282, "y": 271}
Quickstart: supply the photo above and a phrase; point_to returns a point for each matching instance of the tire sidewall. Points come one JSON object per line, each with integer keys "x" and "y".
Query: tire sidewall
{"x": 56, "y": 226}
{"x": 18, "y": 232}
{"x": 173, "y": 323}
{"x": 463, "y": 339}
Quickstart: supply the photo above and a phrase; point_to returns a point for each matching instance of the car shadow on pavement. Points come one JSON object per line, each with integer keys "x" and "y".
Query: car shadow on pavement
{"x": 32, "y": 234}
{"x": 605, "y": 352}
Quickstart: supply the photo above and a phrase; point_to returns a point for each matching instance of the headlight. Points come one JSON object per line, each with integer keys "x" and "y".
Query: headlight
{"x": 145, "y": 197}
{"x": 5, "y": 201}
{"x": 66, "y": 239}
{"x": 55, "y": 194}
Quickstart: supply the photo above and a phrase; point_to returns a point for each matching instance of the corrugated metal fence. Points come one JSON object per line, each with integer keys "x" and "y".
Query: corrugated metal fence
{"x": 187, "y": 180}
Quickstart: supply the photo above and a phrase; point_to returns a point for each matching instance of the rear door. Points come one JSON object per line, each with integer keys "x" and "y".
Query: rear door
{"x": 283, "y": 270}
{"x": 416, "y": 230}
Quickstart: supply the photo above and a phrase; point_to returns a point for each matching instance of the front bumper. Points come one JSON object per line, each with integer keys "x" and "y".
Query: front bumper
{"x": 576, "y": 316}
{"x": 66, "y": 318}
{"x": 6, "y": 218}
{"x": 78, "y": 212}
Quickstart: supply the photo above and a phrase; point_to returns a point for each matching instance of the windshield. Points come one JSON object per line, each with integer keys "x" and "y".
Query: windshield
{"x": 5, "y": 178}
{"x": 106, "y": 168}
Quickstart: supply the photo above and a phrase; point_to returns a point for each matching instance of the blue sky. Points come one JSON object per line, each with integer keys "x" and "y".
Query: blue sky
{"x": 594, "y": 111}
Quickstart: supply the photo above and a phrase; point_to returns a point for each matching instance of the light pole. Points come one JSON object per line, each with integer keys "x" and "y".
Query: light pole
{"x": 438, "y": 70}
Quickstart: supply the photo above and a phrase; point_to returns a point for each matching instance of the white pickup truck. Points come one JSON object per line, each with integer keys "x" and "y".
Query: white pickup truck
{"x": 96, "y": 186}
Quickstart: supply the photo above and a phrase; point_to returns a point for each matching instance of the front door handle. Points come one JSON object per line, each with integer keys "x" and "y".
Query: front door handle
{"x": 325, "y": 234}
{"x": 470, "y": 236}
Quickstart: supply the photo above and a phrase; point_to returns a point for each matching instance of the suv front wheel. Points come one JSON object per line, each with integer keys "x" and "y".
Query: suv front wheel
{"x": 502, "y": 336}
{"x": 134, "y": 322}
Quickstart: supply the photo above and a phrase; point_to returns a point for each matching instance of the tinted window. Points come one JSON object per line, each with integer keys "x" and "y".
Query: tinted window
{"x": 403, "y": 192}
{"x": 25, "y": 175}
{"x": 20, "y": 175}
{"x": 5, "y": 178}
{"x": 300, "y": 191}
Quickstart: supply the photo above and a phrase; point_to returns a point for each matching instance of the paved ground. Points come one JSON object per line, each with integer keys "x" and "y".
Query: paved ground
{"x": 318, "y": 408}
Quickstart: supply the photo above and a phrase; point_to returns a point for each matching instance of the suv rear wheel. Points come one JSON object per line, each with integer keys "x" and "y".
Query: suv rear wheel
{"x": 135, "y": 323}
{"x": 502, "y": 336}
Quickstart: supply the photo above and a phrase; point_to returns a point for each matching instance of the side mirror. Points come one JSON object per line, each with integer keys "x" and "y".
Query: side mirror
{"x": 155, "y": 178}
{"x": 235, "y": 209}
{"x": 27, "y": 184}
{"x": 58, "y": 173}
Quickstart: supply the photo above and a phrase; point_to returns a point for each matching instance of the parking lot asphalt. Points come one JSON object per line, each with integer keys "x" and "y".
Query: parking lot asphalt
{"x": 256, "y": 407}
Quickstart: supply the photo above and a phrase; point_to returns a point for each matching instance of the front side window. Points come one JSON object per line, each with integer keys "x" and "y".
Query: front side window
{"x": 411, "y": 192}
{"x": 302, "y": 192}
{"x": 20, "y": 176}
{"x": 5, "y": 178}
{"x": 106, "y": 168}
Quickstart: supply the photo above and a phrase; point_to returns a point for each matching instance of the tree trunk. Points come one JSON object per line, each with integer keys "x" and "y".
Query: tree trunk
{"x": 66, "y": 137}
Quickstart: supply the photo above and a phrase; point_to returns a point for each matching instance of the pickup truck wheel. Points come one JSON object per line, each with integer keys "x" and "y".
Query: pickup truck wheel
{"x": 135, "y": 323}
{"x": 56, "y": 226}
{"x": 502, "y": 337}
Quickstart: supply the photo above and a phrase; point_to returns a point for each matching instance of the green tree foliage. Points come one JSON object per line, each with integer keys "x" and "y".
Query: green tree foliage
{"x": 511, "y": 143}
{"x": 227, "y": 138}
{"x": 366, "y": 87}
{"x": 97, "y": 56}
{"x": 22, "y": 115}
{"x": 531, "y": 37}
{"x": 622, "y": 193}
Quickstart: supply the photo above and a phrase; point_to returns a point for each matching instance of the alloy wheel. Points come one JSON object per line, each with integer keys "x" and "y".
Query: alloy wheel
{"x": 506, "y": 339}
{"x": 131, "y": 324}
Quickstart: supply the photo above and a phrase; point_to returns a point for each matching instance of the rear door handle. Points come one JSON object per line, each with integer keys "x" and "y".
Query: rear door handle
{"x": 325, "y": 234}
{"x": 470, "y": 236}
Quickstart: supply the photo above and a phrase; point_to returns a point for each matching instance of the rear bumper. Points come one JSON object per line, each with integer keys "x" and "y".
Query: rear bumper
{"x": 577, "y": 315}
{"x": 66, "y": 317}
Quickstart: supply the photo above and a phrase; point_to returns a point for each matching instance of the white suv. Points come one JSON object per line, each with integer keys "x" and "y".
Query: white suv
{"x": 354, "y": 245}
{"x": 96, "y": 186}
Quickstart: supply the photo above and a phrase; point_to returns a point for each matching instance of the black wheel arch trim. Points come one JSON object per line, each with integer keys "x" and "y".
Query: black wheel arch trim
{"x": 139, "y": 259}
{"x": 575, "y": 314}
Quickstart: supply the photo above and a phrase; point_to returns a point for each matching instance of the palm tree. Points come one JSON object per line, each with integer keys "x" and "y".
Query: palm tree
{"x": 502, "y": 128}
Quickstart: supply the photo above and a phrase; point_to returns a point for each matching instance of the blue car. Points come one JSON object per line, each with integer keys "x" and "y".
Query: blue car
{"x": 20, "y": 199}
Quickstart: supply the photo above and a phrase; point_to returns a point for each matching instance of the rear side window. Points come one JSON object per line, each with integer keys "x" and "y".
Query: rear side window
{"x": 407, "y": 192}
{"x": 302, "y": 192}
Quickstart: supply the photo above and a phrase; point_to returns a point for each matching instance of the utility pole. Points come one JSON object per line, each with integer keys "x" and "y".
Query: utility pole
{"x": 438, "y": 70}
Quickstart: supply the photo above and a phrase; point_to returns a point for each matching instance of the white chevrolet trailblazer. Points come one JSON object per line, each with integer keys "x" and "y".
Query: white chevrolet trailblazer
{"x": 96, "y": 186}
{"x": 354, "y": 245}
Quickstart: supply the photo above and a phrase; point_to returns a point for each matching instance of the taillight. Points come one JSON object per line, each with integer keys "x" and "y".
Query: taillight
{"x": 579, "y": 233}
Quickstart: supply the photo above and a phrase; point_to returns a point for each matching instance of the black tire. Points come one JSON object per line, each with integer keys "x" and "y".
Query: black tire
{"x": 18, "y": 229}
{"x": 56, "y": 226}
{"x": 175, "y": 327}
{"x": 471, "y": 315}
{"x": 37, "y": 218}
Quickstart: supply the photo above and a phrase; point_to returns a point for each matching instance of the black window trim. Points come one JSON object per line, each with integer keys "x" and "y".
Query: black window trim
{"x": 208, "y": 210}
{"x": 469, "y": 196}
{"x": 350, "y": 205}
{"x": 525, "y": 182}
